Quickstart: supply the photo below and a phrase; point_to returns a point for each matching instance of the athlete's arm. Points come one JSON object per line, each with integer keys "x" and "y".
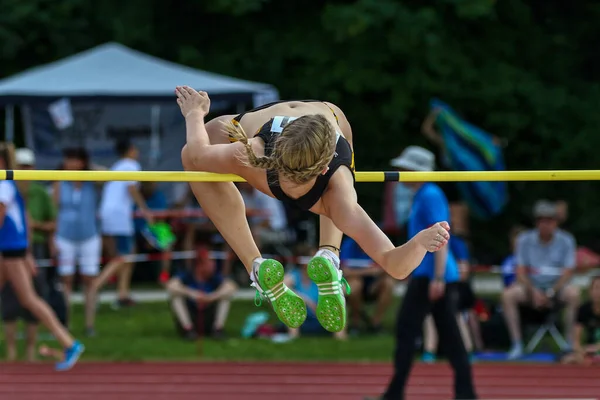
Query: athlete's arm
{"x": 199, "y": 154}
{"x": 217, "y": 158}
{"x": 342, "y": 207}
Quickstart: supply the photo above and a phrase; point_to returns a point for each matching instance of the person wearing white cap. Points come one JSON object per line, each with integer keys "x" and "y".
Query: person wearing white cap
{"x": 427, "y": 289}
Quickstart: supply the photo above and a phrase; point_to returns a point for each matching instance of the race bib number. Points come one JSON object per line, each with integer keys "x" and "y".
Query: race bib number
{"x": 280, "y": 122}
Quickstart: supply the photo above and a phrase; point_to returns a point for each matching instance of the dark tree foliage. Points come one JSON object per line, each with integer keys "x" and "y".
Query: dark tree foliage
{"x": 525, "y": 70}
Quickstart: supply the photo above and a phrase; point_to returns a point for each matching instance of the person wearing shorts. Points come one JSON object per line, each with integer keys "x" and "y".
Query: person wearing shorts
{"x": 12, "y": 311}
{"x": 78, "y": 241}
{"x": 116, "y": 219}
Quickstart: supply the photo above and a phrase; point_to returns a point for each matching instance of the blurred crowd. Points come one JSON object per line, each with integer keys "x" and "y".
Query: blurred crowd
{"x": 77, "y": 227}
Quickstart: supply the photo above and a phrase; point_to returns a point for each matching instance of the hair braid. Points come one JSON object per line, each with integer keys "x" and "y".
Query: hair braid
{"x": 236, "y": 131}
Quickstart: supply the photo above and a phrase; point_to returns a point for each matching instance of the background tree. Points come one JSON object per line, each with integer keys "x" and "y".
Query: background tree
{"x": 526, "y": 71}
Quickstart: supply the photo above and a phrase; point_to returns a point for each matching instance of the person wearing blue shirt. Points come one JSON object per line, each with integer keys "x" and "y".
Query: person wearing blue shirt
{"x": 18, "y": 264}
{"x": 428, "y": 289}
{"x": 368, "y": 282}
{"x": 200, "y": 298}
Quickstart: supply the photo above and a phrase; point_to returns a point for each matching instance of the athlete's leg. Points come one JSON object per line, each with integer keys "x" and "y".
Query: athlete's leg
{"x": 223, "y": 204}
{"x": 20, "y": 279}
{"x": 324, "y": 270}
{"x": 324, "y": 267}
{"x": 16, "y": 271}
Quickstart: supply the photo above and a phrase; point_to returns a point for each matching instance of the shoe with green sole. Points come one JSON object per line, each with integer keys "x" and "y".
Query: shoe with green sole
{"x": 289, "y": 307}
{"x": 331, "y": 306}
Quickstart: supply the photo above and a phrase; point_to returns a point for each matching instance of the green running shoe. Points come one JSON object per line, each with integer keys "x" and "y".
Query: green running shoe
{"x": 289, "y": 307}
{"x": 331, "y": 307}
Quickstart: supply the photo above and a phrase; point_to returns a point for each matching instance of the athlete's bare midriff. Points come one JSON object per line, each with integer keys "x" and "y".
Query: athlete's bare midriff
{"x": 253, "y": 121}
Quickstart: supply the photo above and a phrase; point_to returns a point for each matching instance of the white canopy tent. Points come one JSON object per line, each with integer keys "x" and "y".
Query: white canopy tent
{"x": 112, "y": 75}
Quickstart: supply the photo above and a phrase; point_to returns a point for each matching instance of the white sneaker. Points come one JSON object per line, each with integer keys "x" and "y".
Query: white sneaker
{"x": 515, "y": 352}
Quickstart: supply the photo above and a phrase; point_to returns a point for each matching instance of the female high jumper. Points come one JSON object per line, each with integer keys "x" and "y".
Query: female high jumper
{"x": 299, "y": 152}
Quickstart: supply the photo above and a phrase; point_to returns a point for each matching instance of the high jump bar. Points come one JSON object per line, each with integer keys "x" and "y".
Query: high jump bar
{"x": 372, "y": 176}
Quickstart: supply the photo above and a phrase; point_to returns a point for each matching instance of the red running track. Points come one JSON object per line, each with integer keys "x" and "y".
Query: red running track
{"x": 287, "y": 381}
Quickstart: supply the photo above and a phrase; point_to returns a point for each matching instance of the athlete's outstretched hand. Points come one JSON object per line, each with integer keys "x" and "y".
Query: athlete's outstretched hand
{"x": 190, "y": 101}
{"x": 435, "y": 237}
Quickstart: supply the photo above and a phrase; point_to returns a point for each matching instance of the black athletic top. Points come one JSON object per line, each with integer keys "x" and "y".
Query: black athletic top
{"x": 343, "y": 156}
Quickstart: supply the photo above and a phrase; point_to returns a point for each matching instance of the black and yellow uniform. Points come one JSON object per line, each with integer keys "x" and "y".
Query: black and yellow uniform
{"x": 269, "y": 132}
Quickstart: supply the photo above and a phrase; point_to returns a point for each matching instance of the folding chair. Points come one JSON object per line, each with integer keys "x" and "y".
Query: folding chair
{"x": 548, "y": 326}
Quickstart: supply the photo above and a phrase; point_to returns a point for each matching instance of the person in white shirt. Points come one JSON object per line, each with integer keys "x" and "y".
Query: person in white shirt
{"x": 116, "y": 221}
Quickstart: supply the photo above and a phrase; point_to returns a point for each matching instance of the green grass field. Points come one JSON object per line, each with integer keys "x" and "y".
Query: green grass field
{"x": 147, "y": 332}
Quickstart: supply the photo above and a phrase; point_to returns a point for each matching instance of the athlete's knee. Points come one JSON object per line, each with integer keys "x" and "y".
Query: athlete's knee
{"x": 29, "y": 301}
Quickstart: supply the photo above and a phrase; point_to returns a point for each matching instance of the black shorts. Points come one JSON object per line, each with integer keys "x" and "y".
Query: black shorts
{"x": 14, "y": 253}
{"x": 11, "y": 308}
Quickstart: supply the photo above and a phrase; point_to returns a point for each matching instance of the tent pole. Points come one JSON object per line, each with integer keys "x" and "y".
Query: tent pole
{"x": 154, "y": 135}
{"x": 9, "y": 123}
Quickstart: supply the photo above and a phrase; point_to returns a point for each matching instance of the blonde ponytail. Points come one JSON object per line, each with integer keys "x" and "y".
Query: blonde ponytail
{"x": 237, "y": 132}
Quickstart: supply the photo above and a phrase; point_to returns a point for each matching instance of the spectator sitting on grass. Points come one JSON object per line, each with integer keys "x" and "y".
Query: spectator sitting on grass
{"x": 200, "y": 298}
{"x": 298, "y": 281}
{"x": 588, "y": 321}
